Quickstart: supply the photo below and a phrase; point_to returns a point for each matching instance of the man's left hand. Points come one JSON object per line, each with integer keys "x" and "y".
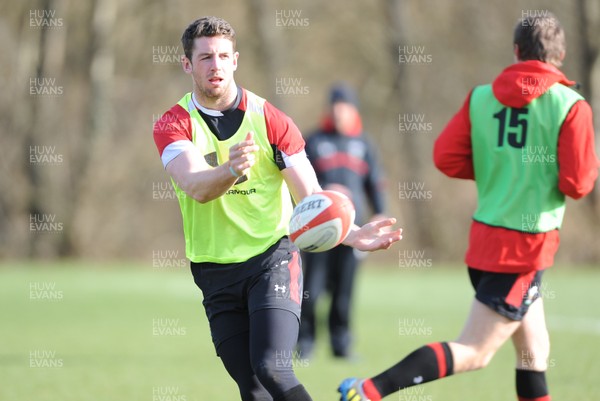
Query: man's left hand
{"x": 374, "y": 236}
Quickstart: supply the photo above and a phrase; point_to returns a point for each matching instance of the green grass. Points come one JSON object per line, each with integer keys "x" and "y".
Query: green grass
{"x": 101, "y": 335}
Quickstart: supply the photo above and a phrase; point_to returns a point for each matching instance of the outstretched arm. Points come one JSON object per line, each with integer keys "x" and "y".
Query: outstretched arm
{"x": 302, "y": 181}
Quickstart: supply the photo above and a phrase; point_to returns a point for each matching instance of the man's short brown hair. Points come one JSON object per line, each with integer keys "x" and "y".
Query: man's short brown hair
{"x": 540, "y": 37}
{"x": 206, "y": 26}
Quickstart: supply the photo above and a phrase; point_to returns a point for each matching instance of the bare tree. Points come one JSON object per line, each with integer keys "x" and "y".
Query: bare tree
{"x": 35, "y": 205}
{"x": 100, "y": 120}
{"x": 412, "y": 147}
{"x": 270, "y": 48}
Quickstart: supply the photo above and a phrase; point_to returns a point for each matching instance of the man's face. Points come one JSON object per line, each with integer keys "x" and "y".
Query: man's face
{"x": 344, "y": 117}
{"x": 212, "y": 65}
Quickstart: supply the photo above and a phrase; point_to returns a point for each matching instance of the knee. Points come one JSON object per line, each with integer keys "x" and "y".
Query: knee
{"x": 264, "y": 370}
{"x": 481, "y": 358}
{"x": 467, "y": 358}
{"x": 274, "y": 370}
{"x": 251, "y": 389}
{"x": 533, "y": 354}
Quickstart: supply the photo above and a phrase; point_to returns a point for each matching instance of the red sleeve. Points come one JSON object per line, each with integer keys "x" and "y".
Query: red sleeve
{"x": 282, "y": 132}
{"x": 174, "y": 125}
{"x": 452, "y": 152}
{"x": 577, "y": 161}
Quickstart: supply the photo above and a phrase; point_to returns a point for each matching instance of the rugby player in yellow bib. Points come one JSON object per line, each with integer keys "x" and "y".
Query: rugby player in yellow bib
{"x": 234, "y": 160}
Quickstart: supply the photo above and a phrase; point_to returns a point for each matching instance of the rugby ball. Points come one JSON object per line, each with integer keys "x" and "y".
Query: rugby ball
{"x": 321, "y": 221}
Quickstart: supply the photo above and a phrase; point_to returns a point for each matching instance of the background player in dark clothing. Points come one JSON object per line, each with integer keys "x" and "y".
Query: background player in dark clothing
{"x": 344, "y": 161}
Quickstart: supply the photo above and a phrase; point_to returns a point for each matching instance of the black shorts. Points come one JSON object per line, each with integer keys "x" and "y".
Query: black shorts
{"x": 232, "y": 292}
{"x": 509, "y": 294}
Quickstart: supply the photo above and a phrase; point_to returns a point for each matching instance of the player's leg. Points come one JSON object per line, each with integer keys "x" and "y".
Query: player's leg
{"x": 502, "y": 301}
{"x": 486, "y": 329}
{"x": 235, "y": 355}
{"x": 532, "y": 346}
{"x": 272, "y": 342}
{"x": 341, "y": 275}
{"x": 315, "y": 275}
{"x": 227, "y": 315}
{"x": 274, "y": 301}
{"x": 484, "y": 332}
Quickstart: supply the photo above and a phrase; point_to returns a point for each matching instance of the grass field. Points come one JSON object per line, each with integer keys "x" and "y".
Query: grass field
{"x": 119, "y": 332}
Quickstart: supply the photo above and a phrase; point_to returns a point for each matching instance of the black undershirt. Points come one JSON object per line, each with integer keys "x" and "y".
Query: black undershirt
{"x": 223, "y": 127}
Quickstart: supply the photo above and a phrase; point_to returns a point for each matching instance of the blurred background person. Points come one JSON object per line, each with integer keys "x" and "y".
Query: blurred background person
{"x": 344, "y": 161}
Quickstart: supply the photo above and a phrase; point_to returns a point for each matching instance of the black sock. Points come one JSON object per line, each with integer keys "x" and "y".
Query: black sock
{"x": 297, "y": 393}
{"x": 531, "y": 385}
{"x": 430, "y": 362}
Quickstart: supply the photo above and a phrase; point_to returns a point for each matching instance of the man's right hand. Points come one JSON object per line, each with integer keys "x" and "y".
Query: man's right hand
{"x": 204, "y": 183}
{"x": 241, "y": 155}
